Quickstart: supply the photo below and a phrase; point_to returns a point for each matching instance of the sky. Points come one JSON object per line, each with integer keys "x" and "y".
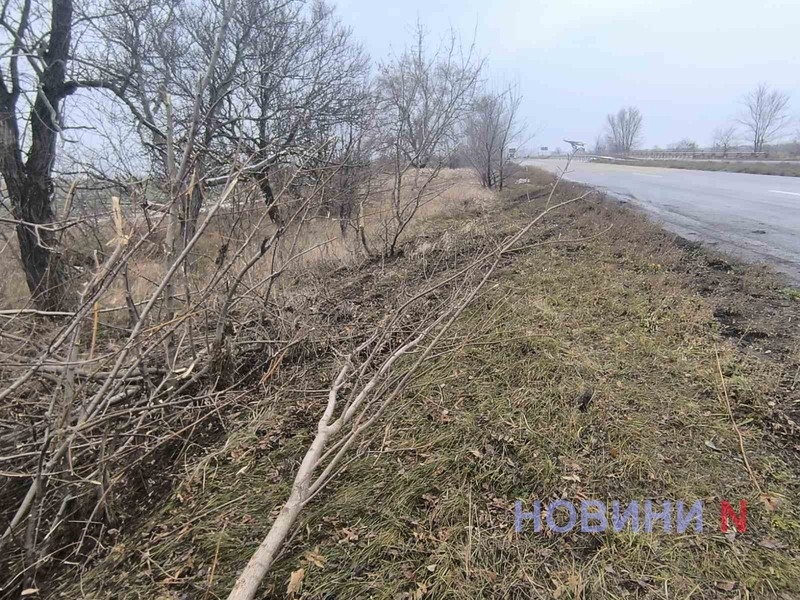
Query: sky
{"x": 685, "y": 64}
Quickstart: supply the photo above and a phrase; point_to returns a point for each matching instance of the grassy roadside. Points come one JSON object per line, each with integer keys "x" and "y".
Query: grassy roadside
{"x": 627, "y": 315}
{"x": 755, "y": 168}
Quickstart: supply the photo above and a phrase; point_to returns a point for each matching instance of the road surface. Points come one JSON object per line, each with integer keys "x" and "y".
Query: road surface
{"x": 756, "y": 217}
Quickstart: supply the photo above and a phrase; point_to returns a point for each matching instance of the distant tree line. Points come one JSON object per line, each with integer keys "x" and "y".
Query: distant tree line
{"x": 765, "y": 118}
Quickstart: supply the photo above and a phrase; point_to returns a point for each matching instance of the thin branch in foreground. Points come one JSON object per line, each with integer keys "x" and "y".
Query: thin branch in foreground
{"x": 340, "y": 426}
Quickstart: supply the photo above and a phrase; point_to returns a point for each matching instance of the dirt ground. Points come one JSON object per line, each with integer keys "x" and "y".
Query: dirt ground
{"x": 608, "y": 360}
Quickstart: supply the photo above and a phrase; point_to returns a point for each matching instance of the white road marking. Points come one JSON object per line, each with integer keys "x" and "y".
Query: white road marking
{"x": 656, "y": 176}
{"x": 787, "y": 193}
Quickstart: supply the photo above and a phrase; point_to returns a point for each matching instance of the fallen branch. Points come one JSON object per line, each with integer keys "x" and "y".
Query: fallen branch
{"x": 373, "y": 391}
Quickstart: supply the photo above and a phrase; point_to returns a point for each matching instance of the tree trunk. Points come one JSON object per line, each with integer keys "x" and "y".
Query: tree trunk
{"x": 44, "y": 270}
{"x": 397, "y": 191}
{"x": 191, "y": 212}
{"x": 501, "y": 175}
{"x": 30, "y": 189}
{"x": 362, "y": 229}
{"x": 29, "y": 182}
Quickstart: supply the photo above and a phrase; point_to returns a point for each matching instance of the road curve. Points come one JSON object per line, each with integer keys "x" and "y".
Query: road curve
{"x": 756, "y": 217}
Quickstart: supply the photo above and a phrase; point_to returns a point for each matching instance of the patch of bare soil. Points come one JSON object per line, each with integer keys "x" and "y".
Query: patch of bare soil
{"x": 759, "y": 312}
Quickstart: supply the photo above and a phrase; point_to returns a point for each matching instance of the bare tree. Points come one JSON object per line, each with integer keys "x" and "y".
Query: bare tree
{"x": 623, "y": 130}
{"x": 172, "y": 66}
{"x": 725, "y": 139}
{"x": 307, "y": 85}
{"x": 765, "y": 115}
{"x": 349, "y": 177}
{"x": 422, "y": 96}
{"x": 33, "y": 85}
{"x": 490, "y": 128}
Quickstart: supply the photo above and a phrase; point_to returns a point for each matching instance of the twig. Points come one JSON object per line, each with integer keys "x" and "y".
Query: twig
{"x": 735, "y": 426}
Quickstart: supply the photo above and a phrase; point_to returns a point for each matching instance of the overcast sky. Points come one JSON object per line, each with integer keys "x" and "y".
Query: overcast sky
{"x": 686, "y": 64}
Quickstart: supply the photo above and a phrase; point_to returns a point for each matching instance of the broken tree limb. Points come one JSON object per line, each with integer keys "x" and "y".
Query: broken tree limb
{"x": 376, "y": 394}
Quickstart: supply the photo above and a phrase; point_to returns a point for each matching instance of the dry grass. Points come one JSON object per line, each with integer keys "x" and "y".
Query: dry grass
{"x": 13, "y": 289}
{"x": 217, "y": 333}
{"x": 786, "y": 169}
{"x": 425, "y": 507}
{"x": 318, "y": 242}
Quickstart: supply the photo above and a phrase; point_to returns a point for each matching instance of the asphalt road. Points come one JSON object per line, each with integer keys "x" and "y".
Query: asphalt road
{"x": 755, "y": 217}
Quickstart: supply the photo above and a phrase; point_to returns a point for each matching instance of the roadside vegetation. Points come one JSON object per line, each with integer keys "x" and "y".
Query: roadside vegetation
{"x": 606, "y": 360}
{"x": 160, "y": 269}
{"x": 280, "y": 318}
{"x": 785, "y": 169}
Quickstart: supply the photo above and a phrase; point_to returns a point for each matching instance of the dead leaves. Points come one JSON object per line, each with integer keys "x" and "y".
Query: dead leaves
{"x": 295, "y": 583}
{"x": 726, "y": 586}
{"x": 348, "y": 536}
{"x": 771, "y": 503}
{"x": 315, "y": 558}
{"x": 772, "y": 544}
{"x": 420, "y": 587}
{"x": 567, "y": 585}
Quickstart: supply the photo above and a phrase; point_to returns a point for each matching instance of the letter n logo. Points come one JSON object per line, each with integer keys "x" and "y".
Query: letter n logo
{"x": 726, "y": 512}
